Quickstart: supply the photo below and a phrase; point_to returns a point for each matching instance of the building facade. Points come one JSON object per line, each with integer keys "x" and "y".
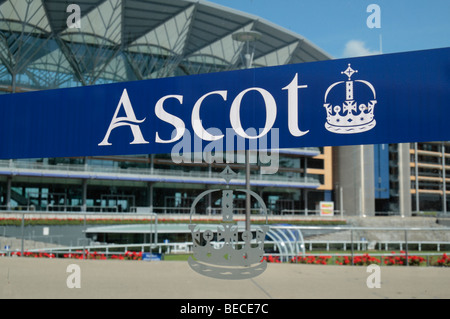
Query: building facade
{"x": 118, "y": 41}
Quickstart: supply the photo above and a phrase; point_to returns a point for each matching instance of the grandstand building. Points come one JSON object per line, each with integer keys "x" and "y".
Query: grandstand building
{"x": 117, "y": 41}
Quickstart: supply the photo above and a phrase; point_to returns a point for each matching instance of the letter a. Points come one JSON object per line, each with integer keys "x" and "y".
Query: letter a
{"x": 74, "y": 20}
{"x": 374, "y": 280}
{"x": 374, "y": 20}
{"x": 74, "y": 279}
{"x": 130, "y": 120}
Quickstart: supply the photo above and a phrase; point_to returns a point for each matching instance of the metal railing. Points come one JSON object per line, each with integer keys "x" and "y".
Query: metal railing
{"x": 60, "y": 208}
{"x": 404, "y": 245}
{"x": 166, "y": 210}
{"x": 290, "y": 241}
{"x": 92, "y": 171}
{"x": 110, "y": 250}
{"x": 428, "y": 256}
{"x": 307, "y": 212}
{"x": 386, "y": 245}
{"x": 84, "y": 217}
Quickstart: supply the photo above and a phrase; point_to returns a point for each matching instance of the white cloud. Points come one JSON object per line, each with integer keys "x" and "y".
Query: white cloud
{"x": 355, "y": 48}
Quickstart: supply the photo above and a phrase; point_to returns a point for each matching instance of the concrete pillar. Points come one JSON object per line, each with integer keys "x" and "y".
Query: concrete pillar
{"x": 416, "y": 172}
{"x": 305, "y": 194}
{"x": 404, "y": 180}
{"x": 444, "y": 183}
{"x": 84, "y": 195}
{"x": 150, "y": 196}
{"x": 353, "y": 171}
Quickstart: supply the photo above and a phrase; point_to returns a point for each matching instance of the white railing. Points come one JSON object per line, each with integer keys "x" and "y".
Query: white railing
{"x": 186, "y": 248}
{"x": 405, "y": 244}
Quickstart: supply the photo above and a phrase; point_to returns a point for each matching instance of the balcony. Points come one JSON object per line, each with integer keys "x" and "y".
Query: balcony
{"x": 77, "y": 171}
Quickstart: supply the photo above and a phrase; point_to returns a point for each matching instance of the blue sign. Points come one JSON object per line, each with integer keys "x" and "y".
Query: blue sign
{"x": 151, "y": 257}
{"x": 391, "y": 98}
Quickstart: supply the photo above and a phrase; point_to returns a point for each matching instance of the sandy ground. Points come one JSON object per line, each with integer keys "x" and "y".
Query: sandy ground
{"x": 47, "y": 278}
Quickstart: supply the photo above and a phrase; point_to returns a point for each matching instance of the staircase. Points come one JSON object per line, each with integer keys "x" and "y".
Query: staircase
{"x": 23, "y": 200}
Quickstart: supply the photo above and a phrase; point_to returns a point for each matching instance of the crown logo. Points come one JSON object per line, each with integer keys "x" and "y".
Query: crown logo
{"x": 228, "y": 252}
{"x": 349, "y": 116}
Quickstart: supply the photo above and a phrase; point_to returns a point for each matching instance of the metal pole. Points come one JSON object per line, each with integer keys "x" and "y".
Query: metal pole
{"x": 150, "y": 241}
{"x": 401, "y": 184}
{"x": 362, "y": 191}
{"x": 150, "y": 197}
{"x": 246, "y": 37}
{"x": 406, "y": 248}
{"x": 247, "y": 163}
{"x": 351, "y": 240}
{"x": 247, "y": 187}
{"x": 84, "y": 239}
{"x": 156, "y": 229}
{"x": 23, "y": 233}
{"x": 8, "y": 195}
{"x": 360, "y": 202}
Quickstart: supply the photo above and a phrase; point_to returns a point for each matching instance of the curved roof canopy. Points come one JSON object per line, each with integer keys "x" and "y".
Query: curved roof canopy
{"x": 124, "y": 40}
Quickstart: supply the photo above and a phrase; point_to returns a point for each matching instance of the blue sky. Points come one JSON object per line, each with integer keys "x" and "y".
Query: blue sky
{"x": 339, "y": 26}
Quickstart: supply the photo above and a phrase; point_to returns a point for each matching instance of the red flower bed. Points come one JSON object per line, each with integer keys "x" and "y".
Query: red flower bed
{"x": 363, "y": 260}
{"x": 366, "y": 259}
{"x": 416, "y": 260}
{"x": 87, "y": 255}
{"x": 343, "y": 260}
{"x": 444, "y": 261}
{"x": 401, "y": 260}
{"x": 318, "y": 260}
{"x": 33, "y": 254}
{"x": 129, "y": 255}
{"x": 272, "y": 259}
